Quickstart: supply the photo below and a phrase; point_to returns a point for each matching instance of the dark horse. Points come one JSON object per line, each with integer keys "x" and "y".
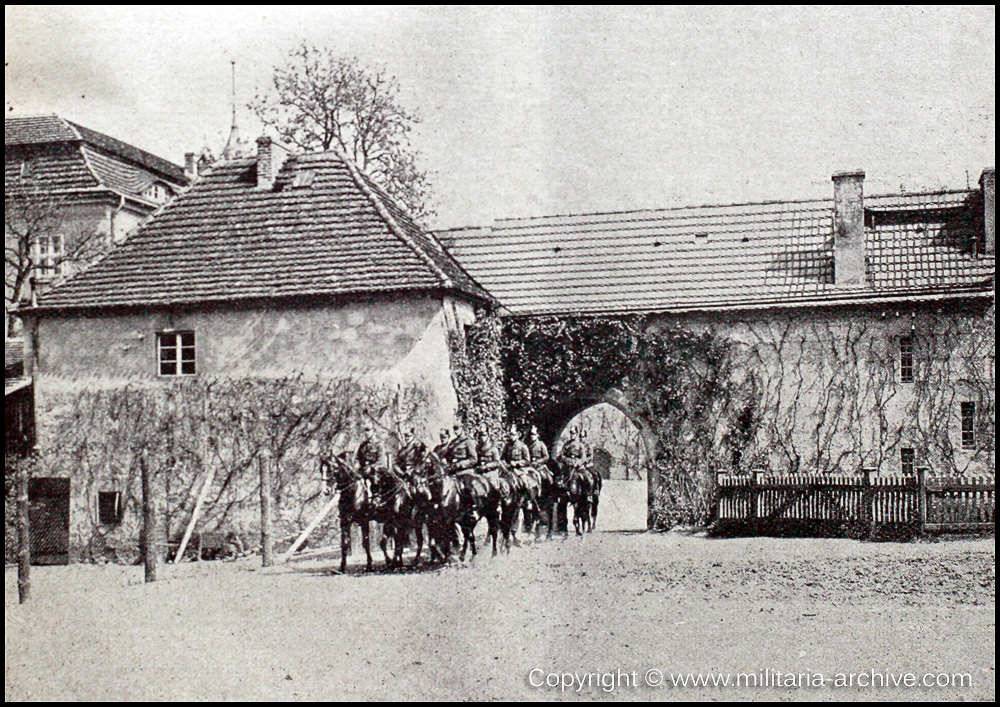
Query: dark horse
{"x": 438, "y": 506}
{"x": 356, "y": 504}
{"x": 578, "y": 491}
{"x": 539, "y": 504}
{"x": 480, "y": 498}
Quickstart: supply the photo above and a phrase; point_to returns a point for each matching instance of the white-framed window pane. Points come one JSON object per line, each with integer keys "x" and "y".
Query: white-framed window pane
{"x": 176, "y": 353}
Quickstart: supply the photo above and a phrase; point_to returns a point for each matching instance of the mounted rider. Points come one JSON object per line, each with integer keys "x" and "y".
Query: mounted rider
{"x": 463, "y": 454}
{"x": 538, "y": 451}
{"x": 572, "y": 456}
{"x": 487, "y": 452}
{"x": 517, "y": 457}
{"x": 442, "y": 451}
{"x": 588, "y": 457}
{"x": 411, "y": 456}
{"x": 371, "y": 460}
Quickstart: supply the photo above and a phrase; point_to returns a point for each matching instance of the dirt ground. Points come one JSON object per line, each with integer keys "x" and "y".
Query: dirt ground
{"x": 611, "y": 601}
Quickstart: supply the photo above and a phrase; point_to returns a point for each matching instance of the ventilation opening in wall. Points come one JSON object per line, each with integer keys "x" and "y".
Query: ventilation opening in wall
{"x": 109, "y": 507}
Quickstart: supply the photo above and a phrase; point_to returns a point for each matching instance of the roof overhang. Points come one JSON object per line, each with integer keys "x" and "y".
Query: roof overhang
{"x": 859, "y": 299}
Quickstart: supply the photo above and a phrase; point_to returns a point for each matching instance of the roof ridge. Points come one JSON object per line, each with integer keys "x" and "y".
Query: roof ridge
{"x": 720, "y": 205}
{"x": 394, "y": 227}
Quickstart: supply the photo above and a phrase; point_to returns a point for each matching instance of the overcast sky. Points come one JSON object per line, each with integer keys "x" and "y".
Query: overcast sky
{"x": 533, "y": 111}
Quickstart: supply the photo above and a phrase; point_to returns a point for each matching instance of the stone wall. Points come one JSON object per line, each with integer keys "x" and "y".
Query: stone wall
{"x": 99, "y": 372}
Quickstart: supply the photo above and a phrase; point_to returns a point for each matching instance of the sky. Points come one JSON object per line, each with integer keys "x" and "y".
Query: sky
{"x": 532, "y": 111}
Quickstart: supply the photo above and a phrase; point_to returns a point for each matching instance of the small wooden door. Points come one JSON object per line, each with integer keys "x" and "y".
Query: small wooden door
{"x": 49, "y": 521}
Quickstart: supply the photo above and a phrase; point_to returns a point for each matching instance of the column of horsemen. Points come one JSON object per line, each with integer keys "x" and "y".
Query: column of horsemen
{"x": 440, "y": 494}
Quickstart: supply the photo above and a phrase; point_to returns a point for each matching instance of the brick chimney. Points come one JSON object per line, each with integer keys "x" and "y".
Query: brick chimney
{"x": 190, "y": 166}
{"x": 849, "y": 229}
{"x": 270, "y": 156}
{"x": 988, "y": 182}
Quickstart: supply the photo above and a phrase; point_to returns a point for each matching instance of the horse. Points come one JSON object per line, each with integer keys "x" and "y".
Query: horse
{"x": 480, "y": 498}
{"x": 578, "y": 486}
{"x": 595, "y": 496}
{"x": 356, "y": 503}
{"x": 397, "y": 511}
{"x": 512, "y": 493}
{"x": 539, "y": 505}
{"x": 438, "y": 505}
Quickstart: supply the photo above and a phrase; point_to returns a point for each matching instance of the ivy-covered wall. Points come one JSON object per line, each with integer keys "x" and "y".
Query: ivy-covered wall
{"x": 476, "y": 372}
{"x": 793, "y": 391}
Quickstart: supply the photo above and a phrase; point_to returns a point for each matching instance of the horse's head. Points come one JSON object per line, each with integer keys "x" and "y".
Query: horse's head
{"x": 339, "y": 470}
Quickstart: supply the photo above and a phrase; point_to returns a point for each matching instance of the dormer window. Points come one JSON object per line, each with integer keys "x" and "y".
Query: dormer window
{"x": 303, "y": 178}
{"x": 157, "y": 193}
{"x": 47, "y": 255}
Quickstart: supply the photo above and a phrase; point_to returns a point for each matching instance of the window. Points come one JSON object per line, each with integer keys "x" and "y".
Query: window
{"x": 47, "y": 255}
{"x": 907, "y": 458}
{"x": 157, "y": 193}
{"x": 175, "y": 353}
{"x": 109, "y": 507}
{"x": 906, "y": 359}
{"x": 968, "y": 425}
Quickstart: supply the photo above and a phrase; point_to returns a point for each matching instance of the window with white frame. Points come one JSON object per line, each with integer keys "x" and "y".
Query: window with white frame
{"x": 175, "y": 353}
{"x": 968, "y": 425}
{"x": 47, "y": 256}
{"x": 907, "y": 459}
{"x": 906, "y": 359}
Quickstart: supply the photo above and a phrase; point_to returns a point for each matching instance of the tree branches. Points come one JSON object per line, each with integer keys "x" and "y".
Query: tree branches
{"x": 320, "y": 100}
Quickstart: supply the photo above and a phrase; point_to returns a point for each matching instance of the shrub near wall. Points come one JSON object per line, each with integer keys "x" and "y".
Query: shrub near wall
{"x": 99, "y": 438}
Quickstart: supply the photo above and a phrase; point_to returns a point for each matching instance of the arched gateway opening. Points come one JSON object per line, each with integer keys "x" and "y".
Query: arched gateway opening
{"x": 620, "y": 457}
{"x": 622, "y": 442}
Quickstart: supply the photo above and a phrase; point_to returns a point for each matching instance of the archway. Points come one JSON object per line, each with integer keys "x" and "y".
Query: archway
{"x": 620, "y": 456}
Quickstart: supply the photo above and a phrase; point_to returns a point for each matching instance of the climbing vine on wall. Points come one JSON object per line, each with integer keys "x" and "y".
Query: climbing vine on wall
{"x": 788, "y": 392}
{"x": 677, "y": 382}
{"x": 476, "y": 372}
{"x": 180, "y": 431}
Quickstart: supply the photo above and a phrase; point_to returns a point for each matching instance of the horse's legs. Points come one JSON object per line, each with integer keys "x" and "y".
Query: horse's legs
{"x": 418, "y": 531}
{"x": 366, "y": 543}
{"x": 383, "y": 543}
{"x": 345, "y": 542}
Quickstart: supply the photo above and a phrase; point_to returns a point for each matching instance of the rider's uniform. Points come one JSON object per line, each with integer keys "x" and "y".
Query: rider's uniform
{"x": 463, "y": 454}
{"x": 410, "y": 457}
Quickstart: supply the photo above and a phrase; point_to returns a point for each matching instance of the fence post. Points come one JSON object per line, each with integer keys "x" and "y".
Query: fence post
{"x": 922, "y": 496}
{"x": 870, "y": 519}
{"x": 719, "y": 476}
{"x": 756, "y": 490}
{"x": 266, "y": 540}
{"x": 149, "y": 549}
{"x": 24, "y": 528}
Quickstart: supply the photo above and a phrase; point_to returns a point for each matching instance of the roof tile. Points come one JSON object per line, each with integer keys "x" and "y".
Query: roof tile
{"x": 226, "y": 239}
{"x": 720, "y": 256}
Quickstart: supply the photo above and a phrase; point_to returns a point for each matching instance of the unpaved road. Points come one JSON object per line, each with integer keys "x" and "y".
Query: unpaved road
{"x": 610, "y": 601}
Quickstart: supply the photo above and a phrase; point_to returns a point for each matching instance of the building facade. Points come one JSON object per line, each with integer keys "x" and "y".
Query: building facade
{"x": 279, "y": 271}
{"x": 864, "y": 325}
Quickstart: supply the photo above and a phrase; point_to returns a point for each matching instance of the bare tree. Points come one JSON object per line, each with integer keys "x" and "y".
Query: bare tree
{"x": 320, "y": 100}
{"x": 39, "y": 242}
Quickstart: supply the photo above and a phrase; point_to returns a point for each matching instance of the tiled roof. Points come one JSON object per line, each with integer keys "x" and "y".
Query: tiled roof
{"x": 37, "y": 129}
{"x": 47, "y": 129}
{"x": 12, "y": 385}
{"x": 13, "y": 352}
{"x": 227, "y": 239}
{"x": 58, "y": 167}
{"x": 721, "y": 256}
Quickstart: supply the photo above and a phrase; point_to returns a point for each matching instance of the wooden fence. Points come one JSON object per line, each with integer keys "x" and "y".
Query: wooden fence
{"x": 867, "y": 500}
